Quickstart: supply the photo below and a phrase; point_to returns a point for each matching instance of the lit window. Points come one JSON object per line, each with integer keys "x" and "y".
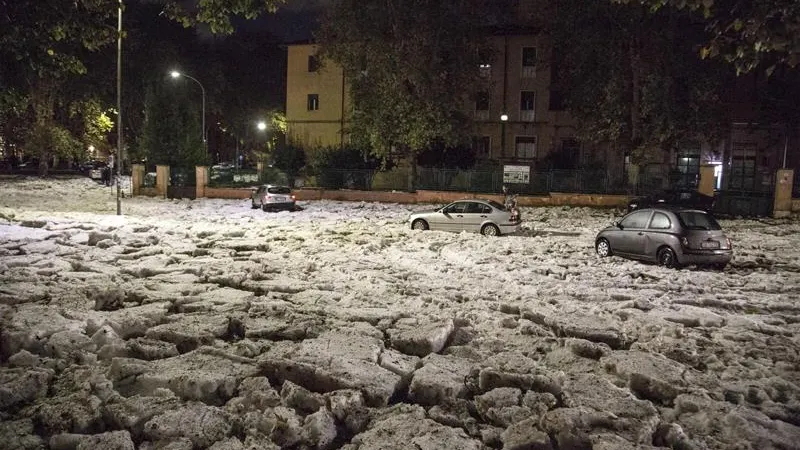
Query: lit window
{"x": 313, "y": 102}
{"x": 529, "y": 62}
{"x": 527, "y": 106}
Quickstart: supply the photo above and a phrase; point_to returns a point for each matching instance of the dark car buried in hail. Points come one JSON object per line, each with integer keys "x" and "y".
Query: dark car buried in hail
{"x": 686, "y": 198}
{"x": 671, "y": 237}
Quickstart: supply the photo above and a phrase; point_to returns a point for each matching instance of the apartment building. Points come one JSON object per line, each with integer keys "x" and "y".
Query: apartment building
{"x": 515, "y": 121}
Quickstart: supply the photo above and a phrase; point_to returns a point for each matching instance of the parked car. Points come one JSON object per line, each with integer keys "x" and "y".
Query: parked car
{"x": 688, "y": 198}
{"x": 482, "y": 216}
{"x": 94, "y": 169}
{"x": 671, "y": 237}
{"x": 271, "y": 197}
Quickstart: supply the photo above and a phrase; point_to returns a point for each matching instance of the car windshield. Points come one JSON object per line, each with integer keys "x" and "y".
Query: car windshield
{"x": 496, "y": 205}
{"x": 279, "y": 190}
{"x": 696, "y": 220}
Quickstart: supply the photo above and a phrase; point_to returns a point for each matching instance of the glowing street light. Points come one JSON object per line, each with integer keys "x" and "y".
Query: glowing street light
{"x": 176, "y": 74}
{"x": 261, "y": 125}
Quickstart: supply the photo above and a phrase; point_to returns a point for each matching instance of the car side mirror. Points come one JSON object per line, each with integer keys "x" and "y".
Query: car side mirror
{"x": 617, "y": 224}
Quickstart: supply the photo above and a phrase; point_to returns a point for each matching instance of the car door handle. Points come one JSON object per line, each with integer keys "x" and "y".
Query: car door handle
{"x": 641, "y": 234}
{"x": 484, "y": 216}
{"x": 459, "y": 215}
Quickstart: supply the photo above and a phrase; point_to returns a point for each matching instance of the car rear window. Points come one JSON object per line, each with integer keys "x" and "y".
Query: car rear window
{"x": 496, "y": 205}
{"x": 279, "y": 190}
{"x": 696, "y": 220}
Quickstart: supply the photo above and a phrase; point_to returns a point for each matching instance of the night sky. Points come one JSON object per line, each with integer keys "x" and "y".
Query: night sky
{"x": 294, "y": 21}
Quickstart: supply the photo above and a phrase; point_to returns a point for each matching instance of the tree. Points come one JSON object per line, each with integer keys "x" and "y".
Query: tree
{"x": 47, "y": 42}
{"x": 412, "y": 67}
{"x": 746, "y": 33}
{"x": 630, "y": 77}
{"x": 171, "y": 133}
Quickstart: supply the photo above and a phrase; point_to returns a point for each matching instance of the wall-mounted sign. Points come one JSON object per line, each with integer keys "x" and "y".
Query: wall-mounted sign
{"x": 517, "y": 174}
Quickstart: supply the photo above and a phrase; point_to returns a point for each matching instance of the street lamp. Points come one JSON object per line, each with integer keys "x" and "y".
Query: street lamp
{"x": 503, "y": 120}
{"x": 176, "y": 74}
{"x": 261, "y": 126}
{"x": 120, "y": 143}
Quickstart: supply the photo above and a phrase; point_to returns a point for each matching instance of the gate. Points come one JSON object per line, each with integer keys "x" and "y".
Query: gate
{"x": 747, "y": 196}
{"x": 182, "y": 183}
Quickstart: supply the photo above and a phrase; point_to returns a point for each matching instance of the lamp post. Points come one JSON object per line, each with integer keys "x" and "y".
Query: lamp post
{"x": 503, "y": 120}
{"x": 119, "y": 104}
{"x": 261, "y": 126}
{"x": 176, "y": 74}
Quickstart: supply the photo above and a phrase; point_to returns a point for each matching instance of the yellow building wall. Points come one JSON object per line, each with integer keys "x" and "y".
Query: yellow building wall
{"x": 323, "y": 127}
{"x": 313, "y": 128}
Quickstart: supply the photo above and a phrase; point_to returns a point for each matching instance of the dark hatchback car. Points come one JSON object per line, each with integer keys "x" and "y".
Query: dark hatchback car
{"x": 687, "y": 198}
{"x": 671, "y": 237}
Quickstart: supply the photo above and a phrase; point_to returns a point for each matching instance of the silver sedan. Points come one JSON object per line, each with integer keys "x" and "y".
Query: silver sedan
{"x": 481, "y": 216}
{"x": 667, "y": 236}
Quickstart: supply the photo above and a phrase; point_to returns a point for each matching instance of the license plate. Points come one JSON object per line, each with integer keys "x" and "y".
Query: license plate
{"x": 709, "y": 244}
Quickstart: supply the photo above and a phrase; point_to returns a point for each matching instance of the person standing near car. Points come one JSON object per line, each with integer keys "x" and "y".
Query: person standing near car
{"x": 109, "y": 170}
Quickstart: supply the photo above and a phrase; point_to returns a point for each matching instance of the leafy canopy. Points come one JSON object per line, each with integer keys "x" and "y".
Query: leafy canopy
{"x": 746, "y": 33}
{"x": 411, "y": 66}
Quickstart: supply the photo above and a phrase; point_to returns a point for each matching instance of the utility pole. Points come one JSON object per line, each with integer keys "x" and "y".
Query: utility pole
{"x": 119, "y": 107}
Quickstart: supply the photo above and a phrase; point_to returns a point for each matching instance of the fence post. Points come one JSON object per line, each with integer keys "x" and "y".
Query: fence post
{"x": 137, "y": 178}
{"x": 201, "y": 181}
{"x": 782, "y": 206}
{"x": 162, "y": 180}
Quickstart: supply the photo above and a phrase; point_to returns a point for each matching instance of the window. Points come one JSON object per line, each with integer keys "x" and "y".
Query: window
{"x": 693, "y": 220}
{"x": 481, "y": 145}
{"x": 477, "y": 208}
{"x": 660, "y": 221}
{"x": 313, "y": 63}
{"x": 526, "y": 147}
{"x": 456, "y": 208}
{"x": 527, "y": 106}
{"x": 743, "y": 166}
{"x": 529, "y": 62}
{"x": 636, "y": 220}
{"x": 482, "y": 106}
{"x": 687, "y": 167}
{"x": 313, "y": 102}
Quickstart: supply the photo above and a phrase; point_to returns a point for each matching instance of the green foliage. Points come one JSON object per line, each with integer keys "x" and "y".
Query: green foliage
{"x": 94, "y": 122}
{"x": 630, "y": 77}
{"x": 336, "y": 167}
{"x": 48, "y": 140}
{"x": 410, "y": 74}
{"x": 172, "y": 132}
{"x": 217, "y": 14}
{"x": 747, "y": 34}
{"x": 289, "y": 159}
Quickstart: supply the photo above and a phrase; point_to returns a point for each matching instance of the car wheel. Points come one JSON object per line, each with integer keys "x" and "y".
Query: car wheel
{"x": 603, "y": 248}
{"x": 719, "y": 266}
{"x": 490, "y": 230}
{"x": 419, "y": 224}
{"x": 666, "y": 257}
{"x": 264, "y": 207}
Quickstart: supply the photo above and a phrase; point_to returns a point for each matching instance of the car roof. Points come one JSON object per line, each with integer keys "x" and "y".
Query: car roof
{"x": 671, "y": 208}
